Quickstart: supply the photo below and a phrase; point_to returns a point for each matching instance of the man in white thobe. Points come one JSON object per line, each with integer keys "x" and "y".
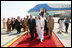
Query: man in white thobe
{"x": 4, "y": 23}
{"x": 61, "y": 25}
{"x": 40, "y": 28}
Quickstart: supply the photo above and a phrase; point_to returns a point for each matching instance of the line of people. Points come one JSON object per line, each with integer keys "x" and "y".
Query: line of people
{"x": 17, "y": 24}
{"x": 38, "y": 25}
{"x": 35, "y": 26}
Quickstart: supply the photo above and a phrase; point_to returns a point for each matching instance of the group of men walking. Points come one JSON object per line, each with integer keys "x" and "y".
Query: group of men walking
{"x": 33, "y": 26}
{"x": 38, "y": 25}
{"x": 15, "y": 24}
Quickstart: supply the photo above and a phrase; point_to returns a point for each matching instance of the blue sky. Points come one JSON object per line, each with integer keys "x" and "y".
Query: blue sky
{"x": 20, "y": 8}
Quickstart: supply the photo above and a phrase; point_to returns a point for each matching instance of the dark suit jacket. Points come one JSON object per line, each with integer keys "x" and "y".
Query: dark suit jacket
{"x": 45, "y": 24}
{"x": 31, "y": 24}
{"x": 12, "y": 23}
{"x": 17, "y": 24}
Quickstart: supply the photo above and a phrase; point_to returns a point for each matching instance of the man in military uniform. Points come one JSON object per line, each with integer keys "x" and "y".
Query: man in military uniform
{"x": 50, "y": 25}
{"x": 46, "y": 27}
{"x": 26, "y": 21}
{"x": 27, "y": 17}
{"x": 24, "y": 24}
{"x": 8, "y": 25}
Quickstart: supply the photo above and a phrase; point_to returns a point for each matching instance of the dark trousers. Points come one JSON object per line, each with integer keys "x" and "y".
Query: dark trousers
{"x": 66, "y": 26}
{"x": 47, "y": 30}
{"x": 35, "y": 32}
{"x": 32, "y": 33}
{"x": 18, "y": 29}
{"x": 13, "y": 26}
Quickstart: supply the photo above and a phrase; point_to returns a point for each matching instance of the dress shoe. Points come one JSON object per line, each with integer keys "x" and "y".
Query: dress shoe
{"x": 41, "y": 41}
{"x": 66, "y": 32}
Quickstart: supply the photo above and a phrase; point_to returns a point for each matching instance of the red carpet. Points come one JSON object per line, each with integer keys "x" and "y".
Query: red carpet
{"x": 47, "y": 42}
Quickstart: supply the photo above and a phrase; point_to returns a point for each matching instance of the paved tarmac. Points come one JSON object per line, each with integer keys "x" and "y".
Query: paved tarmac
{"x": 64, "y": 37}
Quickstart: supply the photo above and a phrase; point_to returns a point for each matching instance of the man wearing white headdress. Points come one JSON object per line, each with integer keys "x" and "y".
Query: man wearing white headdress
{"x": 40, "y": 28}
{"x": 61, "y": 24}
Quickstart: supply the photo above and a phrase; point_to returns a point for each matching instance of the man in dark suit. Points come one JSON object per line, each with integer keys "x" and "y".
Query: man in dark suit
{"x": 35, "y": 28}
{"x": 31, "y": 25}
{"x": 45, "y": 27}
{"x": 17, "y": 24}
{"x": 12, "y": 23}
